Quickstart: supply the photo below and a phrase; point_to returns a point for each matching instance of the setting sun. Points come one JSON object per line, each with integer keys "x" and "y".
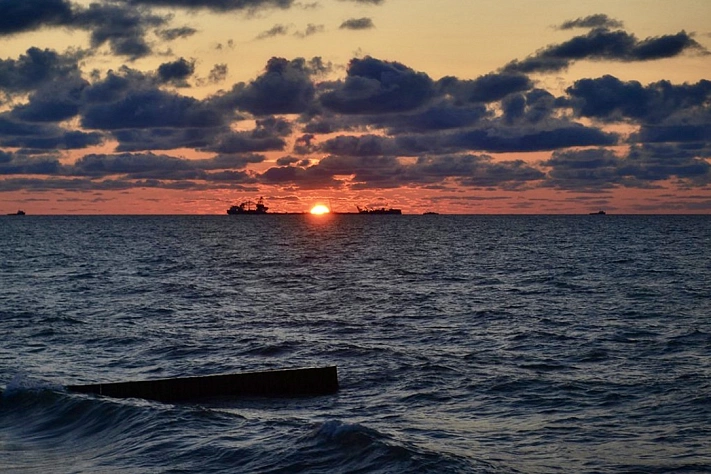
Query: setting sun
{"x": 320, "y": 209}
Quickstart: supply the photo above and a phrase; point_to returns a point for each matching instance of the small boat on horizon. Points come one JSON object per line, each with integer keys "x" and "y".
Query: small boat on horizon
{"x": 18, "y": 213}
{"x": 598, "y": 213}
{"x": 249, "y": 207}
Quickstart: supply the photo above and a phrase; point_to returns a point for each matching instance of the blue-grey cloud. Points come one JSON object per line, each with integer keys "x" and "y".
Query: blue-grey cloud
{"x": 171, "y": 34}
{"x": 592, "y": 21}
{"x": 563, "y": 136}
{"x": 313, "y": 177}
{"x": 605, "y": 44}
{"x": 17, "y": 16}
{"x": 176, "y": 72}
{"x": 369, "y": 172}
{"x": 442, "y": 115}
{"x": 164, "y": 138}
{"x": 284, "y": 88}
{"x": 644, "y": 166}
{"x": 16, "y": 163}
{"x": 357, "y": 24}
{"x": 155, "y": 166}
{"x": 486, "y": 88}
{"x": 366, "y": 2}
{"x": 122, "y": 27}
{"x": 310, "y": 30}
{"x": 376, "y": 86}
{"x": 276, "y": 30}
{"x": 151, "y": 108}
{"x": 43, "y": 137}
{"x": 35, "y": 68}
{"x": 216, "y": 5}
{"x": 611, "y": 99}
{"x": 53, "y": 102}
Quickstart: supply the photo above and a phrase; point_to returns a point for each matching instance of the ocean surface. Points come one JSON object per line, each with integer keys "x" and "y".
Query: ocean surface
{"x": 464, "y": 344}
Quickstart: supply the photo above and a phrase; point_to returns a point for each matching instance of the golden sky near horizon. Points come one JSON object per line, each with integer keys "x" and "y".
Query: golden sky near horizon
{"x": 502, "y": 152}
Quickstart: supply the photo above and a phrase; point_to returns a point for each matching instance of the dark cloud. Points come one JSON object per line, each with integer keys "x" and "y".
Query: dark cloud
{"x": 477, "y": 170}
{"x": 368, "y": 172}
{"x": 43, "y": 137}
{"x": 17, "y": 16}
{"x": 645, "y": 166}
{"x": 217, "y": 5}
{"x": 283, "y": 161}
{"x": 124, "y": 28}
{"x": 362, "y": 145}
{"x": 53, "y": 139}
{"x": 397, "y": 126}
{"x": 366, "y": 2}
{"x": 673, "y": 133}
{"x": 117, "y": 85}
{"x": 218, "y": 73}
{"x": 610, "y": 99}
{"x": 23, "y": 164}
{"x": 310, "y": 30}
{"x": 162, "y": 138}
{"x": 489, "y": 136}
{"x": 314, "y": 177}
{"x": 5, "y": 157}
{"x": 443, "y": 115}
{"x": 233, "y": 180}
{"x": 155, "y": 166}
{"x": 284, "y": 88}
{"x": 14, "y": 128}
{"x": 276, "y": 30}
{"x": 376, "y": 86}
{"x": 53, "y": 102}
{"x": 563, "y": 135}
{"x": 151, "y": 108}
{"x": 37, "y": 67}
{"x": 246, "y": 142}
{"x": 583, "y": 169}
{"x": 176, "y": 72}
{"x": 592, "y": 21}
{"x": 171, "y": 34}
{"x": 665, "y": 47}
{"x": 487, "y": 88}
{"x": 365, "y": 170}
{"x": 662, "y": 162}
{"x": 136, "y": 164}
{"x": 604, "y": 44}
{"x": 268, "y": 135}
{"x": 357, "y": 24}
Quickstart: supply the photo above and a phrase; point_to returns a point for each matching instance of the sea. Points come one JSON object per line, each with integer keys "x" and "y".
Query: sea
{"x": 464, "y": 344}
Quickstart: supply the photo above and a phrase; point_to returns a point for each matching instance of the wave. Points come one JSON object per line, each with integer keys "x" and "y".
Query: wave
{"x": 78, "y": 433}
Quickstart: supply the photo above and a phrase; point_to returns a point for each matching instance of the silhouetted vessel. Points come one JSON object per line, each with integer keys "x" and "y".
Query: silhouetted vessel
{"x": 430, "y": 213}
{"x": 18, "y": 213}
{"x": 598, "y": 213}
{"x": 249, "y": 207}
{"x": 378, "y": 210}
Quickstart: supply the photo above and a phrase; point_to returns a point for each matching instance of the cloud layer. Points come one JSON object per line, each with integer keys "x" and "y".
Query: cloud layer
{"x": 380, "y": 125}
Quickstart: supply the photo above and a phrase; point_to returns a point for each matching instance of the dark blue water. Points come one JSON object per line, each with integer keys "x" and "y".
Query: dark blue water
{"x": 529, "y": 344}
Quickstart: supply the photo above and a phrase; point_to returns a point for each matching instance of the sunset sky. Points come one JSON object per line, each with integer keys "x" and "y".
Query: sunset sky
{"x": 454, "y": 106}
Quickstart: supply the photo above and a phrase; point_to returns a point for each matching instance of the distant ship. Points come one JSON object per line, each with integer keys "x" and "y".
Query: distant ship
{"x": 249, "y": 207}
{"x": 378, "y": 210}
{"x": 598, "y": 213}
{"x": 18, "y": 213}
{"x": 430, "y": 213}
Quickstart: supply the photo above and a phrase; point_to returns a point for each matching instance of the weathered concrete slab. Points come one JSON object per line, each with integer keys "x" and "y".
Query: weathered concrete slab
{"x": 275, "y": 383}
